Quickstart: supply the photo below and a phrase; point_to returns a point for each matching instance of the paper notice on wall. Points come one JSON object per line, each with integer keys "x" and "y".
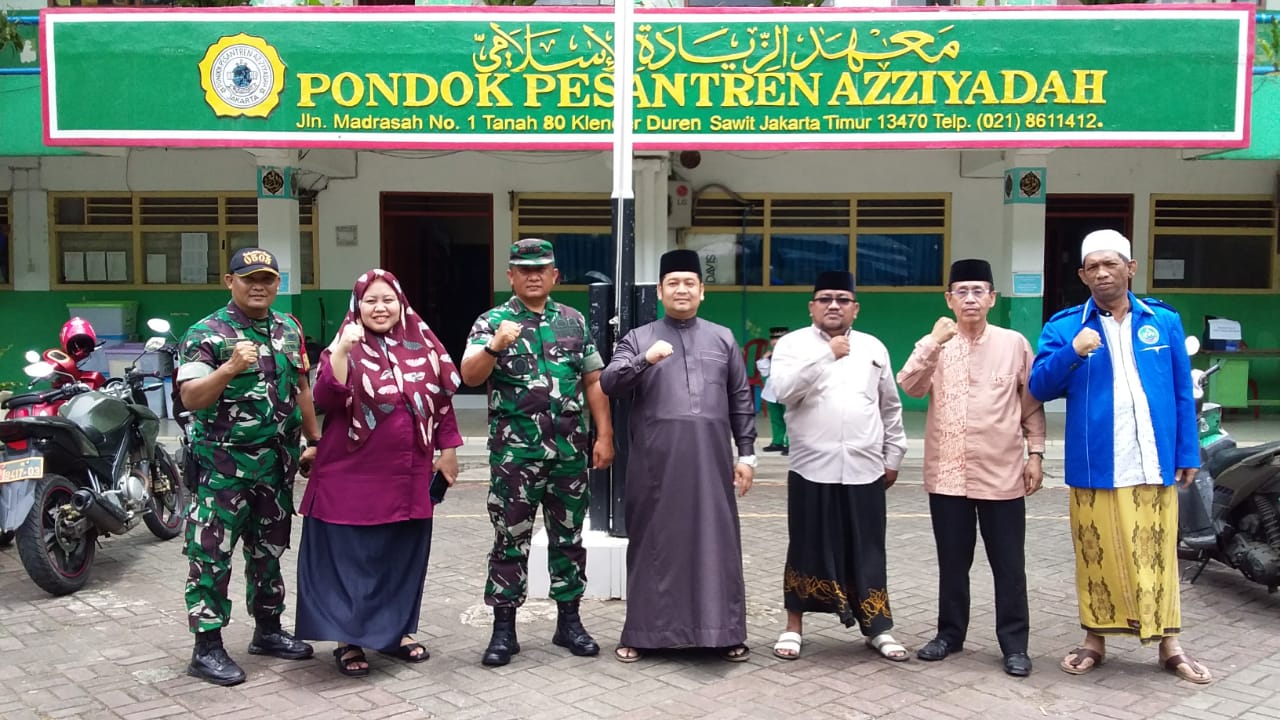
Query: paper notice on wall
{"x": 1169, "y": 269}
{"x": 193, "y": 275}
{"x": 95, "y": 266}
{"x": 1224, "y": 329}
{"x": 73, "y": 266}
{"x": 195, "y": 241}
{"x": 157, "y": 268}
{"x": 117, "y": 267}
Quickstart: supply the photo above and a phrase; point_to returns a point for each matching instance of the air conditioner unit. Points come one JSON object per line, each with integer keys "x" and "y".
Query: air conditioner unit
{"x": 679, "y": 204}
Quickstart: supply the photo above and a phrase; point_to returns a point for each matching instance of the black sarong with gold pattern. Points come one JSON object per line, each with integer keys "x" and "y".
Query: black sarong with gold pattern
{"x": 836, "y": 553}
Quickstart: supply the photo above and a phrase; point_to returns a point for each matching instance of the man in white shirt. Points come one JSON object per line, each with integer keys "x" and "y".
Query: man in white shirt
{"x": 844, "y": 421}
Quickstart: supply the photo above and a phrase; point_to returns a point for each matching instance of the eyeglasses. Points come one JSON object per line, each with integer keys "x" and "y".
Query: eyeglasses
{"x": 975, "y": 293}
{"x": 840, "y": 300}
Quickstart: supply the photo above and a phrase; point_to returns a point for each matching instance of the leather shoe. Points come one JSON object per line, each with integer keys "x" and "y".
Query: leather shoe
{"x": 278, "y": 643}
{"x": 937, "y": 649}
{"x": 210, "y": 662}
{"x": 774, "y": 447}
{"x": 1017, "y": 664}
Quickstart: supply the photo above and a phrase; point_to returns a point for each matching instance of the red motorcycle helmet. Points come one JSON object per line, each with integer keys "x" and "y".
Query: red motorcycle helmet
{"x": 78, "y": 338}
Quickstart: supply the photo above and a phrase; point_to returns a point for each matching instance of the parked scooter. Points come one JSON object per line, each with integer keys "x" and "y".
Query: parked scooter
{"x": 94, "y": 469}
{"x": 1231, "y": 513}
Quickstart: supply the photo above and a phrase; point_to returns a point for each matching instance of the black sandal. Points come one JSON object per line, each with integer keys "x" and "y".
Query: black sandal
{"x": 737, "y": 653}
{"x": 344, "y": 665}
{"x": 406, "y": 653}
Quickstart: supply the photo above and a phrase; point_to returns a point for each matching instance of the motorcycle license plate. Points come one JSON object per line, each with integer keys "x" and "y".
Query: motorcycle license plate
{"x": 24, "y": 469}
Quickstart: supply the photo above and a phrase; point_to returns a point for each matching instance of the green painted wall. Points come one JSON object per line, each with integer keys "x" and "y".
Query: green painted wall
{"x": 32, "y": 320}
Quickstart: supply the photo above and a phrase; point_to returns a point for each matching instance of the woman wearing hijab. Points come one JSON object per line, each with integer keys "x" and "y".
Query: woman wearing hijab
{"x": 385, "y": 385}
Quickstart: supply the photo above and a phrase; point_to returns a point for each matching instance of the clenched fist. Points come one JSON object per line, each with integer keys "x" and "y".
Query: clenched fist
{"x": 243, "y": 357}
{"x": 508, "y": 332}
{"x": 658, "y": 352}
{"x": 943, "y": 330}
{"x": 1086, "y": 342}
{"x": 351, "y": 334}
{"x": 839, "y": 346}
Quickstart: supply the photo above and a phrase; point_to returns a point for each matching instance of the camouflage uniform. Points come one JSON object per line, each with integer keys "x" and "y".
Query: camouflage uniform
{"x": 537, "y": 446}
{"x": 247, "y": 448}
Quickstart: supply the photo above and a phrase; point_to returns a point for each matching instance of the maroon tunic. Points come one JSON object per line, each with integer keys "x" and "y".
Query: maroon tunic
{"x": 385, "y": 480}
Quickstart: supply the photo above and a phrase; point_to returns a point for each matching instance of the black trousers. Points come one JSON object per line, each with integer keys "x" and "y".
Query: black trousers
{"x": 1004, "y": 530}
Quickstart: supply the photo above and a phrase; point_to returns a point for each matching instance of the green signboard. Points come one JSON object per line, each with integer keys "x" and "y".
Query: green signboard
{"x": 440, "y": 77}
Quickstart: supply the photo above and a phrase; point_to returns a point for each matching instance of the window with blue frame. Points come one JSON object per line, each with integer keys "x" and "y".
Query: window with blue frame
{"x": 898, "y": 240}
{"x": 893, "y": 260}
{"x": 579, "y": 227}
{"x": 797, "y": 258}
{"x": 582, "y": 258}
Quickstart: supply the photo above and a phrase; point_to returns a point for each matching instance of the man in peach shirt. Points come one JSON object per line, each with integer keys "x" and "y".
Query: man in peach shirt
{"x": 981, "y": 418}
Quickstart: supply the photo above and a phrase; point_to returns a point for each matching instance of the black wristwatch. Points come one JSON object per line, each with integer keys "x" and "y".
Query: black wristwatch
{"x": 313, "y": 443}
{"x": 491, "y": 351}
{"x": 1036, "y": 452}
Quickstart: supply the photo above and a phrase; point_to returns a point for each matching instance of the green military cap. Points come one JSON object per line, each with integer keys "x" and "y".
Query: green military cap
{"x": 532, "y": 251}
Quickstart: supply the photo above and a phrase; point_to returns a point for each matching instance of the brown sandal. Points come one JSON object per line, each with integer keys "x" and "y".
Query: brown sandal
{"x": 1075, "y": 666}
{"x": 1187, "y": 668}
{"x": 621, "y": 655}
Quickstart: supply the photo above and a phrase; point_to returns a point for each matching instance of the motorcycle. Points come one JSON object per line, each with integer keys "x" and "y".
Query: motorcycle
{"x": 93, "y": 470}
{"x": 66, "y": 370}
{"x": 1231, "y": 512}
{"x": 78, "y": 341}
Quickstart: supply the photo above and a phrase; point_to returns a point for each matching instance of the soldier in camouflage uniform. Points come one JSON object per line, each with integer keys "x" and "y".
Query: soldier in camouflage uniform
{"x": 243, "y": 375}
{"x": 543, "y": 374}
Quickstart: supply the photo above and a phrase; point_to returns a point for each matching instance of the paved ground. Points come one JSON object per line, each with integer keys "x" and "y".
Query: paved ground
{"x": 118, "y": 648}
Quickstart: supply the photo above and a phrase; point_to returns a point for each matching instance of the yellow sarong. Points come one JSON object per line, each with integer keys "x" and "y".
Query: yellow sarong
{"x": 1126, "y": 543}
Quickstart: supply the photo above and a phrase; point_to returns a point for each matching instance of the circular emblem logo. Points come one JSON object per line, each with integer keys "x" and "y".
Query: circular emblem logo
{"x": 1148, "y": 334}
{"x": 242, "y": 76}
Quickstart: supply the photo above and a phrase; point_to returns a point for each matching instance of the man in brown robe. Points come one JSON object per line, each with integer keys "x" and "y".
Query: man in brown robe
{"x": 689, "y": 391}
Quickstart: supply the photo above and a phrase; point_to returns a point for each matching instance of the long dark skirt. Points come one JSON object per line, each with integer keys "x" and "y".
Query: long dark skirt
{"x": 361, "y": 584}
{"x": 836, "y": 554}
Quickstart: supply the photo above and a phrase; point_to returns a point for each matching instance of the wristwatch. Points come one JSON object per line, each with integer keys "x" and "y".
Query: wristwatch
{"x": 491, "y": 351}
{"x": 748, "y": 460}
{"x": 313, "y": 443}
{"x": 1036, "y": 452}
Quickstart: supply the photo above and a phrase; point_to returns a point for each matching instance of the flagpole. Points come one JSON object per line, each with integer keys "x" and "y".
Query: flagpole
{"x": 624, "y": 237}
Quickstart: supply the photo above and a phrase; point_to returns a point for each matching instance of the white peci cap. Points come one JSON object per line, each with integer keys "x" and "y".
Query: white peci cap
{"x": 1105, "y": 240}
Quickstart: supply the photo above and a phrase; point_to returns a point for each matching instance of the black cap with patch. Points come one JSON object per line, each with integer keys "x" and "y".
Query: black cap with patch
{"x": 248, "y": 261}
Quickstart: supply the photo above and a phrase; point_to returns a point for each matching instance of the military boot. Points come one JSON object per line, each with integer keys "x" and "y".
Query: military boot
{"x": 503, "y": 643}
{"x": 210, "y": 662}
{"x": 270, "y": 639}
{"x": 570, "y": 633}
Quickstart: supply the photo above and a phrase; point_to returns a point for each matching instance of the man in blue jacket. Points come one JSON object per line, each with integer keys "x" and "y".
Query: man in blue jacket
{"x": 1131, "y": 434}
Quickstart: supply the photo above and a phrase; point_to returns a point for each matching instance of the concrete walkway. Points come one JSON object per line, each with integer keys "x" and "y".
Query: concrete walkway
{"x": 117, "y": 650}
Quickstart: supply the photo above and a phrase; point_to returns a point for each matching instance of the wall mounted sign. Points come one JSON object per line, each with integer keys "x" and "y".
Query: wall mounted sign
{"x": 1024, "y": 185}
{"x": 481, "y": 77}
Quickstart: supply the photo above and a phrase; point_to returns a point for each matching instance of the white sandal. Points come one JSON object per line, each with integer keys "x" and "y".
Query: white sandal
{"x": 888, "y": 648}
{"x": 788, "y": 645}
